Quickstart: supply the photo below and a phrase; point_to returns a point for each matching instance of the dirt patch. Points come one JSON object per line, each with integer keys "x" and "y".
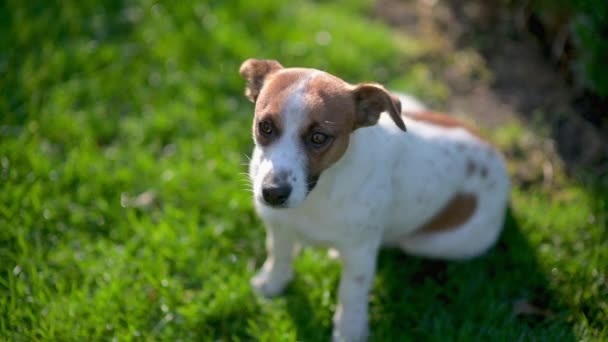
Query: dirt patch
{"x": 497, "y": 72}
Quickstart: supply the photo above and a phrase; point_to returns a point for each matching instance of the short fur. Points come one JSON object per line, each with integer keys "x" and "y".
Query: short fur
{"x": 423, "y": 183}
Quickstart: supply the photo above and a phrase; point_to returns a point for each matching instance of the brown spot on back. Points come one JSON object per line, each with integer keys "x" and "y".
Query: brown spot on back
{"x": 470, "y": 168}
{"x": 484, "y": 172}
{"x": 443, "y": 120}
{"x": 458, "y": 211}
{"x": 360, "y": 279}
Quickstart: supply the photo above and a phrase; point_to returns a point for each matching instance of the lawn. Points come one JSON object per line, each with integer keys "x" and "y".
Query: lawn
{"x": 124, "y": 213}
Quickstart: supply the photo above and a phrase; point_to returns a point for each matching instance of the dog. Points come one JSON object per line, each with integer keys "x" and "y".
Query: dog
{"x": 329, "y": 170}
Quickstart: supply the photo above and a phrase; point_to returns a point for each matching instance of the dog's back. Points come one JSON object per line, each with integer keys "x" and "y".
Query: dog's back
{"x": 460, "y": 163}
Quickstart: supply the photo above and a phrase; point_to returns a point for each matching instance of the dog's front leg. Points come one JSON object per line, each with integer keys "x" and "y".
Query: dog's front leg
{"x": 277, "y": 270}
{"x": 358, "y": 269}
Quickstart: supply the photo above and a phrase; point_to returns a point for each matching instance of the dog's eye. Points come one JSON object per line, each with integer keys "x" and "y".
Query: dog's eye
{"x": 319, "y": 139}
{"x": 265, "y": 127}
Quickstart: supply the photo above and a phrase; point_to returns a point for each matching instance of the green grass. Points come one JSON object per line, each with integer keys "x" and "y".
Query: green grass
{"x": 123, "y": 214}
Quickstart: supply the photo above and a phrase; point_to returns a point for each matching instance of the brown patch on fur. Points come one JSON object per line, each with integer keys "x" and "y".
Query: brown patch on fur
{"x": 458, "y": 211}
{"x": 333, "y": 107}
{"x": 331, "y": 110}
{"x": 255, "y": 72}
{"x": 273, "y": 98}
{"x": 443, "y": 120}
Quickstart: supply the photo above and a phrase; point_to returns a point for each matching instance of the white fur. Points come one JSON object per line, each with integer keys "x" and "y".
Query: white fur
{"x": 387, "y": 184}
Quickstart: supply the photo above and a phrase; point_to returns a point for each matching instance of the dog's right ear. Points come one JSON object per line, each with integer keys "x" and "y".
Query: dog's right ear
{"x": 255, "y": 72}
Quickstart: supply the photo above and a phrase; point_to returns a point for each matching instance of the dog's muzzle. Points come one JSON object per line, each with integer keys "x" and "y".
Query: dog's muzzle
{"x": 276, "y": 189}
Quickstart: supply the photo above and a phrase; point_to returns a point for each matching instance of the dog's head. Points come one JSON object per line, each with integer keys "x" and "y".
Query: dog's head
{"x": 303, "y": 121}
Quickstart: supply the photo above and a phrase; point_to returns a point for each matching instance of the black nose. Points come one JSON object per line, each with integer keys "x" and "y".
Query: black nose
{"x": 276, "y": 194}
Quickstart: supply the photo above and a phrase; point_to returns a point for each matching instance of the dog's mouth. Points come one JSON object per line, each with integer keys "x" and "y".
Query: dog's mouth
{"x": 312, "y": 182}
{"x": 274, "y": 206}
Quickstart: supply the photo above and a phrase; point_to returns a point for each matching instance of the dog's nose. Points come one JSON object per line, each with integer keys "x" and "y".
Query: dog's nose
{"x": 276, "y": 194}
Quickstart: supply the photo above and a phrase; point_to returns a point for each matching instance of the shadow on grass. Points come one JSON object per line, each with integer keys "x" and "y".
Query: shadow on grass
{"x": 303, "y": 312}
{"x": 421, "y": 299}
{"x": 575, "y": 118}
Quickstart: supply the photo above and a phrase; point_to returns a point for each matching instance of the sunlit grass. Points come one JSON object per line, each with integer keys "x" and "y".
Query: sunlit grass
{"x": 123, "y": 211}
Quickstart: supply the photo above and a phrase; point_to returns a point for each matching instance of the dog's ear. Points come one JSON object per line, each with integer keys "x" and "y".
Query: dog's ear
{"x": 373, "y": 99}
{"x": 255, "y": 72}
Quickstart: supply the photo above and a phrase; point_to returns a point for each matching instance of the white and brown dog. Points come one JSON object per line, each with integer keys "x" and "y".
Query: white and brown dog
{"x": 328, "y": 169}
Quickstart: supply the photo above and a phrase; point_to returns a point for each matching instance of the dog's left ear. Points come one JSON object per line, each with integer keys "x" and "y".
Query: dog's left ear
{"x": 373, "y": 99}
{"x": 255, "y": 72}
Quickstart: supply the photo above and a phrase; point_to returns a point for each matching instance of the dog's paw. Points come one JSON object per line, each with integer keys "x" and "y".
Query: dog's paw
{"x": 350, "y": 334}
{"x": 350, "y": 326}
{"x": 270, "y": 284}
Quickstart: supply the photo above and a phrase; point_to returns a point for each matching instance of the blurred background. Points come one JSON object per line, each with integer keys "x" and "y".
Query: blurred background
{"x": 124, "y": 135}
